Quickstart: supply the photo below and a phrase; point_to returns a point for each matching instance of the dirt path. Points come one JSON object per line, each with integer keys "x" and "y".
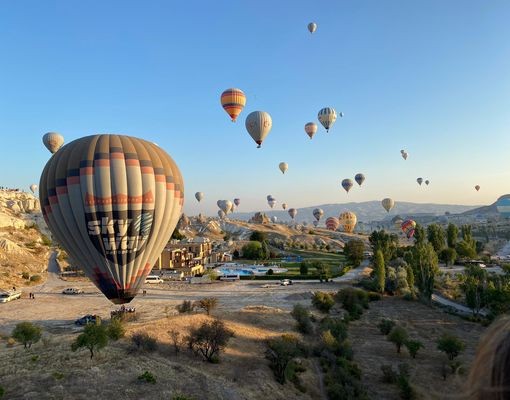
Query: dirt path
{"x": 318, "y": 371}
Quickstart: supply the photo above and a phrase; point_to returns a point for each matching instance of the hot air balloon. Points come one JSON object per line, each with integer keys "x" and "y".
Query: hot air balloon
{"x": 53, "y": 141}
{"x": 327, "y": 117}
{"x": 258, "y": 124}
{"x": 199, "y": 196}
{"x": 283, "y": 167}
{"x": 503, "y": 206}
{"x": 112, "y": 202}
{"x": 271, "y": 202}
{"x": 292, "y": 212}
{"x": 388, "y": 204}
{"x": 404, "y": 155}
{"x": 311, "y": 129}
{"x": 332, "y": 223}
{"x": 347, "y": 184}
{"x": 427, "y": 182}
{"x": 316, "y": 223}
{"x": 225, "y": 205}
{"x": 33, "y": 187}
{"x": 318, "y": 213}
{"x": 284, "y": 206}
{"x": 419, "y": 180}
{"x": 402, "y": 151}
{"x": 408, "y": 228}
{"x": 237, "y": 202}
{"x": 397, "y": 221}
{"x": 221, "y": 214}
{"x": 477, "y": 187}
{"x": 359, "y": 178}
{"x": 312, "y": 27}
{"x": 274, "y": 218}
{"x": 233, "y": 101}
{"x": 348, "y": 221}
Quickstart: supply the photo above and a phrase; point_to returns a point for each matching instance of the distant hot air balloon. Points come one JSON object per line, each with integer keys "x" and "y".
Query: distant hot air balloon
{"x": 427, "y": 182}
{"x": 269, "y": 197}
{"x": 53, "y": 141}
{"x": 347, "y": 184}
{"x": 397, "y": 221}
{"x": 284, "y": 206}
{"x": 33, "y": 187}
{"x": 311, "y": 129}
{"x": 359, "y": 178}
{"x": 402, "y": 151}
{"x": 388, "y": 204}
{"x": 477, "y": 187}
{"x": 237, "y": 202}
{"x": 292, "y": 212}
{"x": 112, "y": 202}
{"x": 419, "y": 180}
{"x": 199, "y": 196}
{"x": 332, "y": 223}
{"x": 221, "y": 214}
{"x": 274, "y": 218}
{"x": 225, "y": 205}
{"x": 503, "y": 206}
{"x": 233, "y": 101}
{"x": 271, "y": 202}
{"x": 327, "y": 117}
{"x": 404, "y": 155}
{"x": 316, "y": 223}
{"x": 283, "y": 167}
{"x": 312, "y": 27}
{"x": 348, "y": 221}
{"x": 258, "y": 124}
{"x": 408, "y": 227}
{"x": 318, "y": 213}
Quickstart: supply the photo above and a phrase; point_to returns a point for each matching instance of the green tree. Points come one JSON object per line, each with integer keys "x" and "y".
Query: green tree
{"x": 448, "y": 256}
{"x": 303, "y": 268}
{"x": 257, "y": 236}
{"x": 280, "y": 352}
{"x": 451, "y": 345}
{"x": 475, "y": 288}
{"x": 380, "y": 271}
{"x": 27, "y": 333}
{"x": 323, "y": 270}
{"x": 207, "y": 304}
{"x": 420, "y": 236}
{"x": 264, "y": 251}
{"x": 398, "y": 336}
{"x": 425, "y": 268}
{"x": 467, "y": 246}
{"x": 323, "y": 301}
{"x": 252, "y": 251}
{"x": 353, "y": 250}
{"x": 176, "y": 235}
{"x": 410, "y": 278}
{"x": 94, "y": 338}
{"x": 436, "y": 237}
{"x": 413, "y": 346}
{"x": 115, "y": 329}
{"x": 303, "y": 319}
{"x": 388, "y": 244}
{"x": 452, "y": 233}
{"x": 210, "y": 338}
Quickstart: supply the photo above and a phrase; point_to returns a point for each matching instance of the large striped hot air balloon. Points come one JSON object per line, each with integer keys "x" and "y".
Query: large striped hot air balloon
{"x": 112, "y": 202}
{"x": 348, "y": 221}
{"x": 503, "y": 206}
{"x": 332, "y": 223}
{"x": 327, "y": 117}
{"x": 225, "y": 205}
{"x": 53, "y": 141}
{"x": 258, "y": 124}
{"x": 408, "y": 227}
{"x": 347, "y": 184}
{"x": 311, "y": 129}
{"x": 233, "y": 101}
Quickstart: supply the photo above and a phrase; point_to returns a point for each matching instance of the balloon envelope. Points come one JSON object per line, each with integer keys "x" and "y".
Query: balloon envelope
{"x": 477, "y": 187}
{"x": 225, "y": 205}
{"x": 311, "y": 129}
{"x": 112, "y": 202}
{"x": 221, "y": 214}
{"x": 312, "y": 27}
{"x": 237, "y": 202}
{"x": 199, "y": 196}
{"x": 347, "y": 184}
{"x": 283, "y": 167}
{"x": 332, "y": 223}
{"x": 53, "y": 141}
{"x": 427, "y": 182}
{"x": 233, "y": 101}
{"x": 348, "y": 221}
{"x": 318, "y": 213}
{"x": 408, "y": 227}
{"x": 258, "y": 124}
{"x": 388, "y": 204}
{"x": 359, "y": 178}
{"x": 284, "y": 206}
{"x": 33, "y": 187}
{"x": 271, "y": 202}
{"x": 404, "y": 155}
{"x": 419, "y": 180}
{"x": 327, "y": 117}
{"x": 292, "y": 212}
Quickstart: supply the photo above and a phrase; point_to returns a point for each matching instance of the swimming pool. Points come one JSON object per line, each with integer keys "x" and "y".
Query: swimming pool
{"x": 247, "y": 270}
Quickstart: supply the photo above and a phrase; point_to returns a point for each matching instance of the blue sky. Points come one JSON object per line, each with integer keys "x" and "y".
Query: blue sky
{"x": 431, "y": 77}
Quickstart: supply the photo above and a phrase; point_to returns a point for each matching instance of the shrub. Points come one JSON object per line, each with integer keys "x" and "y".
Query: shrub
{"x": 386, "y": 325}
{"x": 2, "y": 392}
{"x": 144, "y": 341}
{"x": 407, "y": 392}
{"x": 336, "y": 326}
{"x": 451, "y": 345}
{"x": 35, "y": 278}
{"x": 353, "y": 301}
{"x": 147, "y": 377}
{"x": 185, "y": 307}
{"x": 208, "y": 304}
{"x": 302, "y": 317}
{"x": 389, "y": 374}
{"x": 270, "y": 272}
{"x": 94, "y": 338}
{"x": 115, "y": 329}
{"x": 174, "y": 335}
{"x": 210, "y": 338}
{"x": 27, "y": 334}
{"x": 323, "y": 301}
{"x": 303, "y": 268}
{"x": 398, "y": 335}
{"x": 413, "y": 346}
{"x": 25, "y": 275}
{"x": 374, "y": 296}
{"x": 280, "y": 352}
{"x": 180, "y": 397}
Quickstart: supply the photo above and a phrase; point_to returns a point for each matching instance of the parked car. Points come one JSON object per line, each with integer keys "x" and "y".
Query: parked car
{"x": 153, "y": 279}
{"x": 87, "y": 319}
{"x": 285, "y": 282}
{"x": 72, "y": 290}
{"x": 8, "y": 296}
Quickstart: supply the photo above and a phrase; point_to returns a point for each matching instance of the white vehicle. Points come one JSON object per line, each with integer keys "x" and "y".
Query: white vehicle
{"x": 8, "y": 296}
{"x": 153, "y": 279}
{"x": 230, "y": 277}
{"x": 72, "y": 290}
{"x": 285, "y": 282}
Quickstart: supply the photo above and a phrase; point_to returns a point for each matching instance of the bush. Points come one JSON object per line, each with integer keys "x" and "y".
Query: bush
{"x": 374, "y": 296}
{"x": 94, "y": 338}
{"x": 115, "y": 329}
{"x": 302, "y": 317}
{"x": 210, "y": 338}
{"x": 353, "y": 301}
{"x": 27, "y": 334}
{"x": 147, "y": 377}
{"x": 386, "y": 325}
{"x": 323, "y": 301}
{"x": 144, "y": 341}
{"x": 208, "y": 304}
{"x": 2, "y": 392}
{"x": 185, "y": 307}
{"x": 398, "y": 335}
{"x": 389, "y": 374}
{"x": 270, "y": 272}
{"x": 336, "y": 326}
{"x": 413, "y": 346}
{"x": 451, "y": 345}
{"x": 35, "y": 278}
{"x": 407, "y": 392}
{"x": 25, "y": 275}
{"x": 281, "y": 351}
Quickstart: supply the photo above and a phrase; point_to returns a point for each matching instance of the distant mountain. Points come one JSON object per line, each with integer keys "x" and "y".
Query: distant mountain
{"x": 366, "y": 211}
